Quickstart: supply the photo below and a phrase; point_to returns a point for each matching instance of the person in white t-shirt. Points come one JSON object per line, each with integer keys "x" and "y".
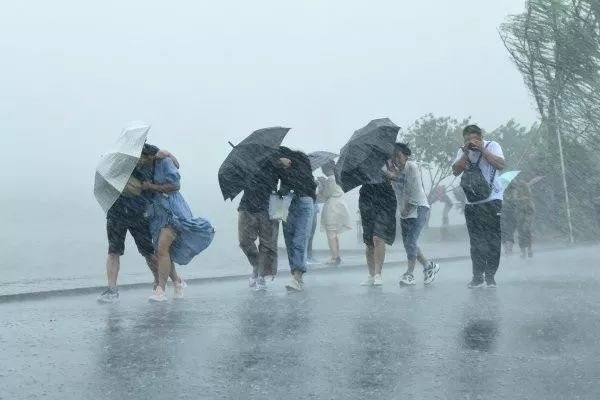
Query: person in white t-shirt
{"x": 483, "y": 217}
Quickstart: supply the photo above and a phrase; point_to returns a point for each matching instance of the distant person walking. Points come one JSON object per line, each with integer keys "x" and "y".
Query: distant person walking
{"x": 128, "y": 215}
{"x": 335, "y": 218}
{"x": 254, "y": 223}
{"x": 518, "y": 211}
{"x": 313, "y": 229}
{"x": 297, "y": 179}
{"x": 480, "y": 162}
{"x": 377, "y": 205}
{"x": 414, "y": 211}
{"x": 441, "y": 194}
{"x": 177, "y": 235}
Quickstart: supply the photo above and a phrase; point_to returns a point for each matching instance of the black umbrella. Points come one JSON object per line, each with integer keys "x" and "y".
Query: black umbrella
{"x": 320, "y": 158}
{"x": 365, "y": 154}
{"x": 244, "y": 162}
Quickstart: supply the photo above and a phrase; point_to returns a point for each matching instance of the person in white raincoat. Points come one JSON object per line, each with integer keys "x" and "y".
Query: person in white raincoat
{"x": 335, "y": 218}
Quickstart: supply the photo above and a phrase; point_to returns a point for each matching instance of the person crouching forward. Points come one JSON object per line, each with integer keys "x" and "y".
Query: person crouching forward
{"x": 296, "y": 176}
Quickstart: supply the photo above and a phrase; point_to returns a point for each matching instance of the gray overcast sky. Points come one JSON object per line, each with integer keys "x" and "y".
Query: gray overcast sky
{"x": 204, "y": 72}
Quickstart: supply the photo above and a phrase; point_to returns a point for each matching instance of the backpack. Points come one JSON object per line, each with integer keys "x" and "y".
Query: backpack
{"x": 473, "y": 182}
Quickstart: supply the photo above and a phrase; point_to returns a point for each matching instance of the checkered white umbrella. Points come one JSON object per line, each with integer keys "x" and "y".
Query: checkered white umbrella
{"x": 117, "y": 165}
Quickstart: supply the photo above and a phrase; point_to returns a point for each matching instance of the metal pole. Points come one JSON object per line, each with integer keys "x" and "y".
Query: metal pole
{"x": 565, "y": 187}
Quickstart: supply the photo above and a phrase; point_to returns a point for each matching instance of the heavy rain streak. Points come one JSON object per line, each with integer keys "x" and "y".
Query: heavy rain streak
{"x": 300, "y": 200}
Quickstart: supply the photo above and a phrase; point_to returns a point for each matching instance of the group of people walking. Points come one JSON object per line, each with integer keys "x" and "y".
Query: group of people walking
{"x": 166, "y": 233}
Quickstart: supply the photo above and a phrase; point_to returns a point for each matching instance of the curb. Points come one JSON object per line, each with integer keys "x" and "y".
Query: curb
{"x": 42, "y": 295}
{"x": 33, "y": 296}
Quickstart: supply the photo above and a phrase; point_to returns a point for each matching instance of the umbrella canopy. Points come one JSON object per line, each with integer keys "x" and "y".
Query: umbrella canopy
{"x": 320, "y": 158}
{"x": 366, "y": 152}
{"x": 507, "y": 177}
{"x": 116, "y": 166}
{"x": 245, "y": 161}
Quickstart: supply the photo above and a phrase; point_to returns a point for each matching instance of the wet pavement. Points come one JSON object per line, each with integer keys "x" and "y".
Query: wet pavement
{"x": 534, "y": 337}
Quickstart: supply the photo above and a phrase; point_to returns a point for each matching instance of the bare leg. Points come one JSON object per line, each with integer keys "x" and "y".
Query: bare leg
{"x": 379, "y": 254}
{"x": 370, "y": 253}
{"x": 166, "y": 238}
{"x": 152, "y": 262}
{"x": 297, "y": 275}
{"x": 112, "y": 269}
{"x": 411, "y": 266}
{"x": 422, "y": 259}
{"x": 412, "y": 263}
{"x": 175, "y": 278}
{"x": 334, "y": 246}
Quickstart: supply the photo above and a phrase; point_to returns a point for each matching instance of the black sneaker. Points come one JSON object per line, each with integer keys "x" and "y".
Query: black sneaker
{"x": 491, "y": 282}
{"x": 110, "y": 295}
{"x": 476, "y": 283}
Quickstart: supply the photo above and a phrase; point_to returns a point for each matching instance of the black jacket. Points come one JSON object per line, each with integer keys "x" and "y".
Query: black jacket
{"x": 298, "y": 177}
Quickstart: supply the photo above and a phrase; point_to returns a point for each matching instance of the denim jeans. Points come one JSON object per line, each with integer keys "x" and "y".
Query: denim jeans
{"x": 296, "y": 231}
{"x": 411, "y": 230}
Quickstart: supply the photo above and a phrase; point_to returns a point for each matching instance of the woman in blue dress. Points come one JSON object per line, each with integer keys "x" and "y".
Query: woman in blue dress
{"x": 177, "y": 235}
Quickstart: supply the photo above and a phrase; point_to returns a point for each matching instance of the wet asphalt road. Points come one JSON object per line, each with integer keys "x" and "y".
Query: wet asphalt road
{"x": 534, "y": 337}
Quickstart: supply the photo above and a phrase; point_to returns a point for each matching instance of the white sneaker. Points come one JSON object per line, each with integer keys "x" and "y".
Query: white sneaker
{"x": 367, "y": 282}
{"x": 377, "y": 281}
{"x": 294, "y": 286}
{"x": 178, "y": 289}
{"x": 158, "y": 295}
{"x": 251, "y": 282}
{"x": 407, "y": 280}
{"x": 260, "y": 284}
{"x": 430, "y": 273}
{"x": 110, "y": 295}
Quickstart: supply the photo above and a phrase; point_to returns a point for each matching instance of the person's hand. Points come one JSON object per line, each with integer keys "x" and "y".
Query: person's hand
{"x": 476, "y": 144}
{"x": 163, "y": 154}
{"x": 285, "y": 162}
{"x": 406, "y": 211}
{"x": 392, "y": 172}
{"x": 392, "y": 175}
{"x": 146, "y": 185}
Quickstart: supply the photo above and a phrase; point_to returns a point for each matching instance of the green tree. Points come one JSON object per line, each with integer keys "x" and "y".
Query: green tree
{"x": 555, "y": 44}
{"x": 435, "y": 141}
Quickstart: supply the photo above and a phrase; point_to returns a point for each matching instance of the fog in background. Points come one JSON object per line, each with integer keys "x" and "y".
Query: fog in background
{"x": 201, "y": 73}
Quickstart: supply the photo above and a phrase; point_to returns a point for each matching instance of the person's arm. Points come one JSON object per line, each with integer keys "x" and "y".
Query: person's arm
{"x": 160, "y": 188}
{"x": 460, "y": 164}
{"x": 411, "y": 188}
{"x": 321, "y": 190}
{"x": 495, "y": 160}
{"x": 492, "y": 153}
{"x": 165, "y": 154}
{"x": 172, "y": 177}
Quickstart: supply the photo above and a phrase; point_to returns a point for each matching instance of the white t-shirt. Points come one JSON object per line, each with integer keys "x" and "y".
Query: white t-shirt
{"x": 486, "y": 169}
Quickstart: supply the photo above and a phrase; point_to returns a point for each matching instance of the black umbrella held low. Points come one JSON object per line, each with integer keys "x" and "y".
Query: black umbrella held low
{"x": 365, "y": 154}
{"x": 244, "y": 162}
{"x": 320, "y": 158}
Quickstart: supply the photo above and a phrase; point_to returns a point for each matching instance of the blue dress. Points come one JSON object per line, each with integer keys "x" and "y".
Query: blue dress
{"x": 170, "y": 209}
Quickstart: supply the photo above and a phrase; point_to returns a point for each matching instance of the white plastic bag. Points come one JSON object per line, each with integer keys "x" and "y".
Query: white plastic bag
{"x": 279, "y": 206}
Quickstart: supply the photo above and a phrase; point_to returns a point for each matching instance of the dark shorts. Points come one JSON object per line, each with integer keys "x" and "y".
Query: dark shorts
{"x": 377, "y": 205}
{"x": 139, "y": 228}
